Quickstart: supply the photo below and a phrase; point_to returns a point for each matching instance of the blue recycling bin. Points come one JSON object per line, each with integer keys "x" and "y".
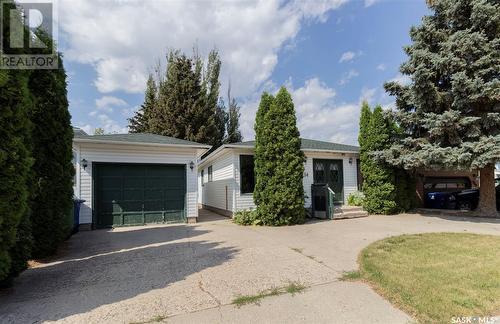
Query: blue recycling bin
{"x": 76, "y": 214}
{"x": 440, "y": 200}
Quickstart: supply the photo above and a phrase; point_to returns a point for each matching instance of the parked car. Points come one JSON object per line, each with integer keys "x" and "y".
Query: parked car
{"x": 469, "y": 199}
{"x": 440, "y": 200}
{"x": 440, "y": 192}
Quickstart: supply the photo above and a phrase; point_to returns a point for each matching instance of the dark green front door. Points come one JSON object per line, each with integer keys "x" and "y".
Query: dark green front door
{"x": 137, "y": 194}
{"x": 330, "y": 172}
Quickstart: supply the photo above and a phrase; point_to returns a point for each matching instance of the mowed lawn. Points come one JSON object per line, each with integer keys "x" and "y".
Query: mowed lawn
{"x": 435, "y": 277}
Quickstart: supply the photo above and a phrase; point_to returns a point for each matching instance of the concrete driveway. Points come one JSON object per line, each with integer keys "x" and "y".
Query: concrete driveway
{"x": 191, "y": 273}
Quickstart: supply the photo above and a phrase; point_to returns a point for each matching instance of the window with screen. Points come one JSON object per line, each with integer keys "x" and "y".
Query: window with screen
{"x": 202, "y": 177}
{"x": 210, "y": 174}
{"x": 247, "y": 174}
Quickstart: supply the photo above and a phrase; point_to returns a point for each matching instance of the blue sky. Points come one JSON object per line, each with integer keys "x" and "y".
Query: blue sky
{"x": 331, "y": 54}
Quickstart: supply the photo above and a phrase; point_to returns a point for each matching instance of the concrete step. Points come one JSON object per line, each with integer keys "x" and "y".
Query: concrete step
{"x": 349, "y": 212}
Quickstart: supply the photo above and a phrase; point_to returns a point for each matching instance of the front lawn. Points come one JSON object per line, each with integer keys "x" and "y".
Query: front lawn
{"x": 437, "y": 276}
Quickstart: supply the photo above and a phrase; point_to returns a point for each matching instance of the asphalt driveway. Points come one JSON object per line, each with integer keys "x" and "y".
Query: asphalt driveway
{"x": 191, "y": 273}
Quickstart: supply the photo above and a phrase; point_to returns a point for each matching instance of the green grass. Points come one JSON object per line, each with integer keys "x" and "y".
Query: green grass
{"x": 292, "y": 288}
{"x": 437, "y": 276}
{"x": 156, "y": 319}
{"x": 351, "y": 275}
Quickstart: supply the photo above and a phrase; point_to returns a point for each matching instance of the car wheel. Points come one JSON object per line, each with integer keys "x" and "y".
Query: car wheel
{"x": 465, "y": 205}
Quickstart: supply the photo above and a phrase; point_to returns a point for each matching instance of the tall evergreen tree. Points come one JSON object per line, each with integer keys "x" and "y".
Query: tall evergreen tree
{"x": 187, "y": 102}
{"x": 378, "y": 178}
{"x": 139, "y": 122}
{"x": 281, "y": 201}
{"x": 52, "y": 153}
{"x": 450, "y": 112}
{"x": 364, "y": 122}
{"x": 15, "y": 163}
{"x": 232, "y": 120}
{"x": 261, "y": 167}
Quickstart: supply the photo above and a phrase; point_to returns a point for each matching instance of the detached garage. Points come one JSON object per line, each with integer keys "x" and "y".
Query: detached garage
{"x": 135, "y": 179}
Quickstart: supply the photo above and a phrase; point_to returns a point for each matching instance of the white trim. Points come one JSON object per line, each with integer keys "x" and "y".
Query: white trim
{"x": 84, "y": 140}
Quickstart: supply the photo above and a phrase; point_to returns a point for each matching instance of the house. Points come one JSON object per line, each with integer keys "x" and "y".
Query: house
{"x": 226, "y": 177}
{"x": 135, "y": 179}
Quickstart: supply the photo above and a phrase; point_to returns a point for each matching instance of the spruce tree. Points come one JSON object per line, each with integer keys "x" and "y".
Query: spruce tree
{"x": 450, "y": 112}
{"x": 281, "y": 201}
{"x": 139, "y": 122}
{"x": 52, "y": 152}
{"x": 378, "y": 178}
{"x": 187, "y": 102}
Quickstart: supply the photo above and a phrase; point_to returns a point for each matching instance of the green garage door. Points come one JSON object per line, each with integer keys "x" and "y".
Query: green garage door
{"x": 137, "y": 194}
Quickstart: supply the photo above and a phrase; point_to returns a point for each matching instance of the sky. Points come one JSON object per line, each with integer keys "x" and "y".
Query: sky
{"x": 330, "y": 54}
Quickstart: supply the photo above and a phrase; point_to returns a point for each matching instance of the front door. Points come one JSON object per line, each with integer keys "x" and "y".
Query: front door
{"x": 332, "y": 173}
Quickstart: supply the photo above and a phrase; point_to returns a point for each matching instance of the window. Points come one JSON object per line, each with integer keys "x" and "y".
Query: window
{"x": 202, "y": 177}
{"x": 210, "y": 174}
{"x": 247, "y": 175}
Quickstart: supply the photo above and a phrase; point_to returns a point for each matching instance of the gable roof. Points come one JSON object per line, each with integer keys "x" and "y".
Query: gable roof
{"x": 306, "y": 145}
{"x": 136, "y": 138}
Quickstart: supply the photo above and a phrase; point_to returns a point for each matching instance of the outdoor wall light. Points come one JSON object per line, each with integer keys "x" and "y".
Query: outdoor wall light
{"x": 350, "y": 160}
{"x": 84, "y": 164}
{"x": 191, "y": 165}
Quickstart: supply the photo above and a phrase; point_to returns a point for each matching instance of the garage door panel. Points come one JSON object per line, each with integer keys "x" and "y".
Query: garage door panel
{"x": 133, "y": 182}
{"x": 153, "y": 217}
{"x": 134, "y": 194}
{"x": 172, "y": 216}
{"x": 108, "y": 195}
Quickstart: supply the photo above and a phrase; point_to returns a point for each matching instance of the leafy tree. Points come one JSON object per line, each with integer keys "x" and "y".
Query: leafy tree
{"x": 281, "y": 200}
{"x": 378, "y": 178}
{"x": 450, "y": 112}
{"x": 232, "y": 120}
{"x": 52, "y": 153}
{"x": 15, "y": 163}
{"x": 139, "y": 122}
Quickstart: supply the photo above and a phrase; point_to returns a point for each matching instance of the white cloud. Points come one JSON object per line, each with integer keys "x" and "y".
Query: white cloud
{"x": 110, "y": 125}
{"x": 369, "y": 3}
{"x": 401, "y": 79}
{"x": 368, "y": 94}
{"x": 123, "y": 39}
{"x": 106, "y": 103}
{"x": 319, "y": 116}
{"x": 346, "y": 77}
{"x": 347, "y": 57}
{"x": 381, "y": 67}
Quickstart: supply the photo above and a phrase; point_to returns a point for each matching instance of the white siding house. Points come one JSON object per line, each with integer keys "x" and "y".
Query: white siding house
{"x": 223, "y": 194}
{"x": 130, "y": 165}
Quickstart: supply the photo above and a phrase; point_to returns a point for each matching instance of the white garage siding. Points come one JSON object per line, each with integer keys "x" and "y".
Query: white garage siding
{"x": 122, "y": 153}
{"x": 219, "y": 192}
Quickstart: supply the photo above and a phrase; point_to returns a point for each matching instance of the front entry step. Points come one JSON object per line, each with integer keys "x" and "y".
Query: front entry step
{"x": 343, "y": 212}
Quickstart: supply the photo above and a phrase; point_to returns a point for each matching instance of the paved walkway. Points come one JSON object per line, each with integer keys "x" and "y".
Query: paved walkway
{"x": 191, "y": 273}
